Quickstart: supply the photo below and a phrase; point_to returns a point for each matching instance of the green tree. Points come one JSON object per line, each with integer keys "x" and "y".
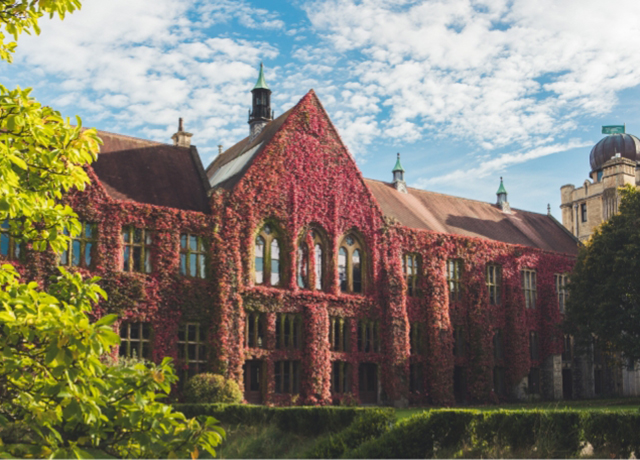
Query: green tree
{"x": 58, "y": 396}
{"x": 604, "y": 300}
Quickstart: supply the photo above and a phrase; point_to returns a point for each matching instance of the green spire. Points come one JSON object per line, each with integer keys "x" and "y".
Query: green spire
{"x": 501, "y": 189}
{"x": 261, "y": 83}
{"x": 398, "y": 166}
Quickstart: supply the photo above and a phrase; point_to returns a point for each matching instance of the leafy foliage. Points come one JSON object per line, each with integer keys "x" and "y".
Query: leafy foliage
{"x": 604, "y": 296}
{"x": 58, "y": 398}
{"x": 212, "y": 388}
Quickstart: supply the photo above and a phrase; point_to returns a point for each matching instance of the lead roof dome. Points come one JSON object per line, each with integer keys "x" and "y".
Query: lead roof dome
{"x": 627, "y": 145}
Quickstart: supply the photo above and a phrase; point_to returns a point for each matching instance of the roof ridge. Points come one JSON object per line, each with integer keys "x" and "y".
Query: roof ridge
{"x": 126, "y": 136}
{"x": 455, "y": 196}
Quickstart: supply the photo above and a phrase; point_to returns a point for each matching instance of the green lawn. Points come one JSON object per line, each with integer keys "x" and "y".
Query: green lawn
{"x": 591, "y": 404}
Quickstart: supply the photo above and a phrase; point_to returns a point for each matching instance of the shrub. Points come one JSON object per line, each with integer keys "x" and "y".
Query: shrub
{"x": 369, "y": 425}
{"x": 212, "y": 388}
{"x": 615, "y": 434}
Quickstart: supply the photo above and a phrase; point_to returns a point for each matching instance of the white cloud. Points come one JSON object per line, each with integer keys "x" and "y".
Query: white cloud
{"x": 495, "y": 73}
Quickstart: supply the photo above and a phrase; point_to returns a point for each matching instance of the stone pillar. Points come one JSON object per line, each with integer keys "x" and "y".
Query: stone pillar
{"x": 551, "y": 371}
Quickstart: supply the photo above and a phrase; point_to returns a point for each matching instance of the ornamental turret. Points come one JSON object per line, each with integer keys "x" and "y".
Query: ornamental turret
{"x": 398, "y": 177}
{"x": 260, "y": 113}
{"x": 502, "y": 202}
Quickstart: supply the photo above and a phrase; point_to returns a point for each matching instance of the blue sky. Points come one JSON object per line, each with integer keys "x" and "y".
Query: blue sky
{"x": 467, "y": 91}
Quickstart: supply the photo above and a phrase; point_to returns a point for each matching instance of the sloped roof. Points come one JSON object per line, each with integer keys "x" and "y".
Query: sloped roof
{"x": 245, "y": 146}
{"x": 151, "y": 172}
{"x": 424, "y": 210}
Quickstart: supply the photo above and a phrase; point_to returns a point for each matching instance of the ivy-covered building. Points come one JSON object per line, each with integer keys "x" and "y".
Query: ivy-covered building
{"x": 280, "y": 266}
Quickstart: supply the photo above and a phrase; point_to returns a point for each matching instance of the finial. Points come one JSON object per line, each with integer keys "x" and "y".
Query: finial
{"x": 548, "y": 209}
{"x": 180, "y": 128}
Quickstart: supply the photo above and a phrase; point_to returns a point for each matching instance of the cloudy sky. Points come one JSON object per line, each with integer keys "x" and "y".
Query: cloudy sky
{"x": 467, "y": 91}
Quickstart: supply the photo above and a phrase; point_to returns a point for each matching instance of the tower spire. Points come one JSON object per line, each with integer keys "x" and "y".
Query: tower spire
{"x": 502, "y": 198}
{"x": 260, "y": 113}
{"x": 398, "y": 177}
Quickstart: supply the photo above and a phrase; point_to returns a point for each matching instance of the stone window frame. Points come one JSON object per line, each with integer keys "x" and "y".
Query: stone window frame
{"x": 339, "y": 334}
{"x": 144, "y": 335}
{"x": 192, "y": 350}
{"x": 142, "y": 245}
{"x": 411, "y": 268}
{"x": 311, "y": 272}
{"x": 347, "y": 274}
{"x": 193, "y": 255}
{"x": 455, "y": 270}
{"x": 282, "y": 368}
{"x": 560, "y": 281}
{"x": 341, "y": 375}
{"x": 254, "y": 330}
{"x": 529, "y": 287}
{"x": 368, "y": 336}
{"x": 288, "y": 333}
{"x": 494, "y": 283}
{"x": 76, "y": 254}
{"x": 269, "y": 233}
{"x": 10, "y": 246}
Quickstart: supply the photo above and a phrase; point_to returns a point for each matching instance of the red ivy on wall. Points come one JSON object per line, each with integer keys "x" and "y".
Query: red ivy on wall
{"x": 305, "y": 178}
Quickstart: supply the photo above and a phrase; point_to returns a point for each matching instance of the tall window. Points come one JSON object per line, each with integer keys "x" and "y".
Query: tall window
{"x": 192, "y": 348}
{"x": 340, "y": 377}
{"x": 350, "y": 265}
{"x": 368, "y": 336}
{"x": 339, "y": 333}
{"x": 494, "y": 281}
{"x": 137, "y": 250}
{"x": 561, "y": 290}
{"x": 135, "y": 340}
{"x": 9, "y": 247}
{"x": 268, "y": 269}
{"x": 416, "y": 339}
{"x": 529, "y": 287}
{"x": 498, "y": 346}
{"x": 287, "y": 376}
{"x": 583, "y": 212}
{"x": 311, "y": 264}
{"x": 80, "y": 251}
{"x": 415, "y": 378}
{"x": 567, "y": 350}
{"x": 454, "y": 276}
{"x": 254, "y": 330}
{"x": 192, "y": 256}
{"x": 288, "y": 330}
{"x": 303, "y": 266}
{"x": 534, "y": 346}
{"x": 411, "y": 273}
{"x": 458, "y": 342}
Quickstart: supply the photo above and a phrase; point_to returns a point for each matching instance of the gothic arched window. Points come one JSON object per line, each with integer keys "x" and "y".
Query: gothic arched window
{"x": 267, "y": 265}
{"x": 350, "y": 265}
{"x": 311, "y": 265}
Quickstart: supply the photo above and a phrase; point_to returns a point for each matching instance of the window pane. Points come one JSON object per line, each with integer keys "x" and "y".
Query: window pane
{"x": 357, "y": 275}
{"x": 137, "y": 236}
{"x": 275, "y": 263}
{"x": 193, "y": 264}
{"x": 126, "y": 266}
{"x": 318, "y": 267}
{"x": 88, "y": 249}
{"x": 183, "y": 264}
{"x": 76, "y": 253}
{"x": 88, "y": 231}
{"x": 147, "y": 261}
{"x": 64, "y": 257}
{"x": 303, "y": 265}
{"x": 183, "y": 241}
{"x": 193, "y": 243}
{"x": 137, "y": 259}
{"x": 125, "y": 234}
{"x": 259, "y": 262}
{"x": 201, "y": 263}
{"x": 342, "y": 269}
{"x": 147, "y": 237}
{"x": 4, "y": 244}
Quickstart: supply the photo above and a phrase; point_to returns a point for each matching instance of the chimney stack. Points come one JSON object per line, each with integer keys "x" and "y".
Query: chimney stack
{"x": 181, "y": 138}
{"x": 219, "y": 149}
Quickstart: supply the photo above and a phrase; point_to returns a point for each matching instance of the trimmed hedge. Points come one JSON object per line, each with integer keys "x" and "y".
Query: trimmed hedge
{"x": 616, "y": 434}
{"x": 367, "y": 426}
{"x": 310, "y": 421}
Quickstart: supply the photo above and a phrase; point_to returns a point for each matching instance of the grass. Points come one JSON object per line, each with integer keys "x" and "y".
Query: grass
{"x": 591, "y": 404}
